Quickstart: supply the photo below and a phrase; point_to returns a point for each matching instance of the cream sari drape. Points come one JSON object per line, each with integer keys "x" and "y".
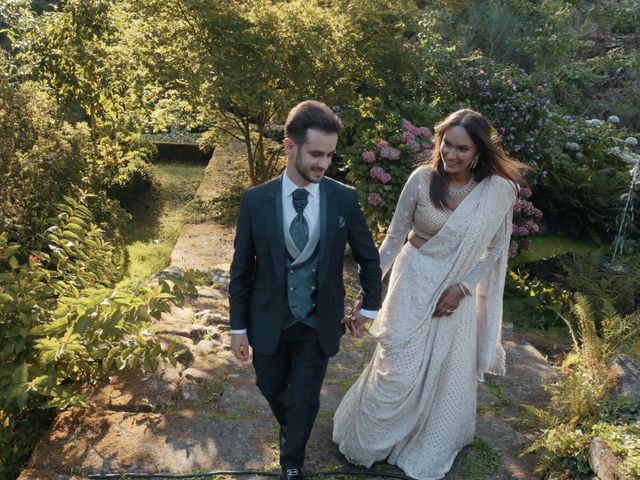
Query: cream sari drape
{"x": 414, "y": 403}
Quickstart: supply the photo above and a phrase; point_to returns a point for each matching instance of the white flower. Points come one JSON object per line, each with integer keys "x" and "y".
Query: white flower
{"x": 594, "y": 122}
{"x": 625, "y": 154}
{"x": 614, "y": 119}
{"x": 572, "y": 146}
{"x": 633, "y": 141}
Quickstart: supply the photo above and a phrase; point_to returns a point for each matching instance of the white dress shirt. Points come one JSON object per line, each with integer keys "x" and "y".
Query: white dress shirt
{"x": 311, "y": 211}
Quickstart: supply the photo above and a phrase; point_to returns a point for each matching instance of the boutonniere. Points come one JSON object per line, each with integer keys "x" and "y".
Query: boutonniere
{"x": 341, "y": 221}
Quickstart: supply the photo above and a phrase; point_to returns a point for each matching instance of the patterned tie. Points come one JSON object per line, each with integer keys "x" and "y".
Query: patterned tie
{"x": 299, "y": 229}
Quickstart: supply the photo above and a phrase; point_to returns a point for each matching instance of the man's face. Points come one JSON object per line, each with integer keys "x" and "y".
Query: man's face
{"x": 307, "y": 163}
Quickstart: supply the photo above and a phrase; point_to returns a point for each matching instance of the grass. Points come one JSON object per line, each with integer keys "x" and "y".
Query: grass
{"x": 497, "y": 391}
{"x": 158, "y": 216}
{"x": 482, "y": 464}
{"x": 222, "y": 209}
{"x": 550, "y": 246}
{"x": 326, "y": 413}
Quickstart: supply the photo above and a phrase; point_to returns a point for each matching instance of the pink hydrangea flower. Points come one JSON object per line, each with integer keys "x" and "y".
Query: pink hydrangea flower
{"x": 525, "y": 192}
{"x": 423, "y": 132}
{"x": 407, "y": 126}
{"x": 380, "y": 174}
{"x": 382, "y": 144}
{"x": 408, "y": 137}
{"x": 390, "y": 153}
{"x": 368, "y": 156}
{"x": 532, "y": 226}
{"x": 413, "y": 146}
{"x": 513, "y": 249}
{"x": 377, "y": 172}
{"x": 374, "y": 199}
{"x": 422, "y": 157}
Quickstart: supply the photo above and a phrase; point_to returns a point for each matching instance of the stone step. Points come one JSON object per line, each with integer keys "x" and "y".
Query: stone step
{"x": 527, "y": 372}
{"x": 82, "y": 442}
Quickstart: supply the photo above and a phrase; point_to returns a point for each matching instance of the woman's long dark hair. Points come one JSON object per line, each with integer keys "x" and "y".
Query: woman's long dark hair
{"x": 492, "y": 159}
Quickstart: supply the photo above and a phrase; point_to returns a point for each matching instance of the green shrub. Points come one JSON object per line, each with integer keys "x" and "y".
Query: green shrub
{"x": 578, "y": 179}
{"x": 600, "y": 86}
{"x": 536, "y": 36}
{"x": 582, "y": 178}
{"x": 593, "y": 275}
{"x": 41, "y": 159}
{"x": 531, "y": 302}
{"x": 625, "y": 17}
{"x": 132, "y": 179}
{"x": 66, "y": 322}
{"x": 506, "y": 95}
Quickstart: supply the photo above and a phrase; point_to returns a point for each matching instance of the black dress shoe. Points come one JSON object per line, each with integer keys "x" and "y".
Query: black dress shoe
{"x": 282, "y": 436}
{"x": 291, "y": 474}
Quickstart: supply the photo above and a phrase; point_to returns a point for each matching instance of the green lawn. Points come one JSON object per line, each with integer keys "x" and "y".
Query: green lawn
{"x": 158, "y": 216}
{"x": 550, "y": 246}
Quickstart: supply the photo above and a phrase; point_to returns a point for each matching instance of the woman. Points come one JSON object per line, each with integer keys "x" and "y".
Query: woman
{"x": 438, "y": 331}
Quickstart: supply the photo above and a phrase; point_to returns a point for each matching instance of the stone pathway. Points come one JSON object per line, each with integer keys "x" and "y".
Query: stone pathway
{"x": 206, "y": 413}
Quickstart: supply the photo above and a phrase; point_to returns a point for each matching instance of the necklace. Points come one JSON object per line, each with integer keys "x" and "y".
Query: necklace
{"x": 461, "y": 192}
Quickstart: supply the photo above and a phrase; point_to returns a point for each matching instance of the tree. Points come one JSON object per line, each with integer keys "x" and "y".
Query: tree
{"x": 83, "y": 53}
{"x": 243, "y": 65}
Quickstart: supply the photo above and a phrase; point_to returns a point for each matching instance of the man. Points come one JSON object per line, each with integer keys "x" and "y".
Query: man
{"x": 286, "y": 292}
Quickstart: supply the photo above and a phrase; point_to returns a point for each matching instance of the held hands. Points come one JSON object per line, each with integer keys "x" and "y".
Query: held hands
{"x": 354, "y": 320}
{"x": 449, "y": 301}
{"x": 240, "y": 346}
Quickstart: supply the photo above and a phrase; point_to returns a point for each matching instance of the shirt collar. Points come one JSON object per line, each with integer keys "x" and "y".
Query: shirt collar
{"x": 288, "y": 186}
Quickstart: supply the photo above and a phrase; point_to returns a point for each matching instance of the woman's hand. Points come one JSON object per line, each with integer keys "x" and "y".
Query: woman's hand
{"x": 449, "y": 301}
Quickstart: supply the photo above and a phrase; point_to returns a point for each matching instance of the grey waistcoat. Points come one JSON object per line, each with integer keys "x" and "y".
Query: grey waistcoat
{"x": 302, "y": 279}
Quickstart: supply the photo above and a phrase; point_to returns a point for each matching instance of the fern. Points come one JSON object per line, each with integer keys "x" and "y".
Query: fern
{"x": 583, "y": 399}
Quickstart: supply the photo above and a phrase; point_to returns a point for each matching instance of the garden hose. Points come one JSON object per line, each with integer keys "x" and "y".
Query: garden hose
{"x": 124, "y": 476}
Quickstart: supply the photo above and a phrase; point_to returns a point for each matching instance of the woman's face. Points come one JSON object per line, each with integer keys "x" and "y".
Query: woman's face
{"x": 457, "y": 150}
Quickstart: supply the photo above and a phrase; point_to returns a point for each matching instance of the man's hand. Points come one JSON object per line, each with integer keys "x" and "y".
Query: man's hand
{"x": 354, "y": 320}
{"x": 240, "y": 346}
{"x": 356, "y": 324}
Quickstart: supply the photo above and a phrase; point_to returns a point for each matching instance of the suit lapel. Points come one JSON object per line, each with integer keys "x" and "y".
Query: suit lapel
{"x": 328, "y": 225}
{"x": 274, "y": 229}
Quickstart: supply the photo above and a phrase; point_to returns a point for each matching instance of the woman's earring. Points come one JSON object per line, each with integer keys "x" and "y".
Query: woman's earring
{"x": 473, "y": 163}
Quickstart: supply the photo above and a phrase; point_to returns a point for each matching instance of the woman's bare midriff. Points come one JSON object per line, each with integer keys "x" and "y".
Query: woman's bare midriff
{"x": 416, "y": 240}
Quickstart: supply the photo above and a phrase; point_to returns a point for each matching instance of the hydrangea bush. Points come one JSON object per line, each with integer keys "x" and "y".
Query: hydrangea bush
{"x": 505, "y": 95}
{"x": 526, "y": 222}
{"x": 581, "y": 177}
{"x": 380, "y": 165}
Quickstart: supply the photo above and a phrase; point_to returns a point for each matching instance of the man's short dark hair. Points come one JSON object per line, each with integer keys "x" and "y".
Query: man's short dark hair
{"x": 307, "y": 115}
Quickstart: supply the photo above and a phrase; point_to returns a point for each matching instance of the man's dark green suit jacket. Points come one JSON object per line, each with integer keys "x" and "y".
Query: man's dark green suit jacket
{"x": 257, "y": 288}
